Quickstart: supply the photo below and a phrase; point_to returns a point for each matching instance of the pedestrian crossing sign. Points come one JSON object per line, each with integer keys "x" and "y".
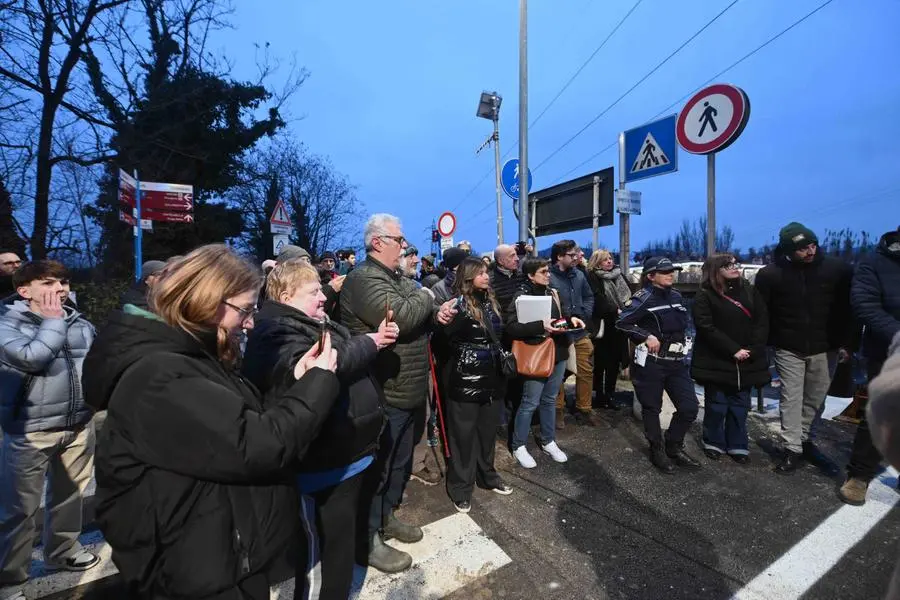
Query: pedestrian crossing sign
{"x": 649, "y": 150}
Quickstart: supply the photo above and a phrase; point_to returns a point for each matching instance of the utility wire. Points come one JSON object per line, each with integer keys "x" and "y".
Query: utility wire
{"x": 708, "y": 81}
{"x": 555, "y": 98}
{"x": 639, "y": 82}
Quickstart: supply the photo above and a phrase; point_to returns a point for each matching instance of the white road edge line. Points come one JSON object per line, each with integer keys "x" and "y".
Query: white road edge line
{"x": 792, "y": 575}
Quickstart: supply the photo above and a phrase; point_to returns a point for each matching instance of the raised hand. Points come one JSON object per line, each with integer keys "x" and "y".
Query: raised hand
{"x": 324, "y": 358}
{"x": 50, "y": 304}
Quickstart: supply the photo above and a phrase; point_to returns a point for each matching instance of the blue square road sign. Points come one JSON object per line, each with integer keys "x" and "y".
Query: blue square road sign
{"x": 650, "y": 150}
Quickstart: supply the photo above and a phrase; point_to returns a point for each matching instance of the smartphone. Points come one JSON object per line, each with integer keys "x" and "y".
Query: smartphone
{"x": 323, "y": 329}
{"x": 387, "y": 312}
{"x": 460, "y": 303}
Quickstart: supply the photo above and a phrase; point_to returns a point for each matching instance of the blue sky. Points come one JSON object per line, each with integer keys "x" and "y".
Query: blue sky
{"x": 394, "y": 87}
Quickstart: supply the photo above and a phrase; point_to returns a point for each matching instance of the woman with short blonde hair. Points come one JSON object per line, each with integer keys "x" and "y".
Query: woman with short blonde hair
{"x": 191, "y": 492}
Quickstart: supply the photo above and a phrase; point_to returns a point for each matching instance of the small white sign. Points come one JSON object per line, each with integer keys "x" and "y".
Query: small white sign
{"x": 279, "y": 229}
{"x": 279, "y": 241}
{"x": 146, "y": 224}
{"x": 628, "y": 202}
{"x": 446, "y": 242}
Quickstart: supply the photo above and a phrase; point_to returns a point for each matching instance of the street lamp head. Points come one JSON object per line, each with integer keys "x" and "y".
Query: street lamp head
{"x": 489, "y": 106}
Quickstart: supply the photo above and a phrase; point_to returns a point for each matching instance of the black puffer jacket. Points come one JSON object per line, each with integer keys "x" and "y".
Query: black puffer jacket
{"x": 193, "y": 492}
{"x": 505, "y": 284}
{"x": 280, "y": 337}
{"x": 809, "y": 304}
{"x": 472, "y": 373}
{"x": 533, "y": 333}
{"x": 876, "y": 297}
{"x": 722, "y": 329}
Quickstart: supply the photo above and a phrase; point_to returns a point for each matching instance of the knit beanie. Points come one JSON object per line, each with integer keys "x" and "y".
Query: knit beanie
{"x": 794, "y": 236}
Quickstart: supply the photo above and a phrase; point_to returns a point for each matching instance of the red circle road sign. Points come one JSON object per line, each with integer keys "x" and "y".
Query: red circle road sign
{"x": 446, "y": 224}
{"x": 712, "y": 119}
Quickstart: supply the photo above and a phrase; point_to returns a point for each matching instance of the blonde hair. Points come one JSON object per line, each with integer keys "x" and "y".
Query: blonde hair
{"x": 288, "y": 276}
{"x": 191, "y": 291}
{"x": 470, "y": 268}
{"x": 598, "y": 257}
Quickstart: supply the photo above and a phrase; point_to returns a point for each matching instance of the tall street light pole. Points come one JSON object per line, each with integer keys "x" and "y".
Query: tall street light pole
{"x": 489, "y": 108}
{"x": 524, "y": 207}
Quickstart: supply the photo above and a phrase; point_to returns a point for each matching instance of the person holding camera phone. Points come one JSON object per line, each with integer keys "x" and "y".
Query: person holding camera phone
{"x": 291, "y": 322}
{"x": 474, "y": 384}
{"x": 538, "y": 393}
{"x": 192, "y": 494}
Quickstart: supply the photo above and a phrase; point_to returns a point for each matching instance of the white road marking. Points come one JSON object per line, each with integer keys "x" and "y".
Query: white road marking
{"x": 792, "y": 575}
{"x": 454, "y": 553}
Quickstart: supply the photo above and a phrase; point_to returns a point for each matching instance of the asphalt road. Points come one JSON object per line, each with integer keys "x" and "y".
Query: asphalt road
{"x": 606, "y": 525}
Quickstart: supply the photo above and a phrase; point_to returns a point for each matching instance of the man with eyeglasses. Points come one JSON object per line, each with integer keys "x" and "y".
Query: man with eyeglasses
{"x": 373, "y": 291}
{"x": 577, "y": 301}
{"x": 808, "y": 297}
{"x": 9, "y": 262}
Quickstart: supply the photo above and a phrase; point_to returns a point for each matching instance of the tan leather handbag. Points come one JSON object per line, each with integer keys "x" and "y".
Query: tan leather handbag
{"x": 535, "y": 360}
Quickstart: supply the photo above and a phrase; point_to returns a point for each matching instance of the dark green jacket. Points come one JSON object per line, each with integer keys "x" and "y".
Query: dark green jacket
{"x": 403, "y": 368}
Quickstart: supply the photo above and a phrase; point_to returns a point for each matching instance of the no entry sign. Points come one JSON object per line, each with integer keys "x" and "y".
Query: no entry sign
{"x": 712, "y": 119}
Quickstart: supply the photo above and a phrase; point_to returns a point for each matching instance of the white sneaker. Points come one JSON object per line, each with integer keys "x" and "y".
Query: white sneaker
{"x": 524, "y": 458}
{"x": 555, "y": 453}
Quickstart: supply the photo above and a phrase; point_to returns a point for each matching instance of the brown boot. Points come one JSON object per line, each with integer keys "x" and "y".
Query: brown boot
{"x": 587, "y": 418}
{"x": 853, "y": 491}
{"x": 560, "y": 418}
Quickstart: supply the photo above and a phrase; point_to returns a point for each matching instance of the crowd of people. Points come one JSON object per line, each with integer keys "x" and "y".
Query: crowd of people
{"x": 251, "y": 413}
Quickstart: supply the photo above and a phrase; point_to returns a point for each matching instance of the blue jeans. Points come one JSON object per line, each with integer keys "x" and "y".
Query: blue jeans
{"x": 539, "y": 392}
{"x": 725, "y": 420}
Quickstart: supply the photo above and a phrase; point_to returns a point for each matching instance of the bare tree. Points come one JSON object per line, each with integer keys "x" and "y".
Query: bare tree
{"x": 42, "y": 43}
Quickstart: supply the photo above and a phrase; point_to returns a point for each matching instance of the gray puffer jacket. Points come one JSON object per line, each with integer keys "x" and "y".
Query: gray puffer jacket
{"x": 40, "y": 370}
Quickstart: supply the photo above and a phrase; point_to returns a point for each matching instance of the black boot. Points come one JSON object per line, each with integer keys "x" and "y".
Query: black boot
{"x": 400, "y": 531}
{"x": 660, "y": 460}
{"x": 790, "y": 462}
{"x": 675, "y": 451}
{"x": 385, "y": 558}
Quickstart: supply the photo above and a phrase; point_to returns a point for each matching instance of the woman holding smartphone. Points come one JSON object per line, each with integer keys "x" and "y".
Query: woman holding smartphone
{"x": 729, "y": 355}
{"x": 193, "y": 490}
{"x": 474, "y": 384}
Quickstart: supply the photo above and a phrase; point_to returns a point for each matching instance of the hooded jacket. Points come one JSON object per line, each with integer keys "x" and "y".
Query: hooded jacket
{"x": 875, "y": 295}
{"x": 280, "y": 337}
{"x": 723, "y": 329}
{"x": 472, "y": 371}
{"x": 402, "y": 369}
{"x": 808, "y": 303}
{"x": 193, "y": 492}
{"x": 40, "y": 370}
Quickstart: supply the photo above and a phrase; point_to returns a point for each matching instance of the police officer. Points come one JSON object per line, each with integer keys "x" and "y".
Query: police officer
{"x": 656, "y": 320}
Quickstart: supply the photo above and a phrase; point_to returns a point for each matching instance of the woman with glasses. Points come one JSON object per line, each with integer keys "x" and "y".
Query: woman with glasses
{"x": 538, "y": 393}
{"x": 474, "y": 385}
{"x": 611, "y": 292}
{"x": 193, "y": 491}
{"x": 729, "y": 354}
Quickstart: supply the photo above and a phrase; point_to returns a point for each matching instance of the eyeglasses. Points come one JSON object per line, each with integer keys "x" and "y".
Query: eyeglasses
{"x": 11, "y": 263}
{"x": 732, "y": 266}
{"x": 572, "y": 254}
{"x": 246, "y": 313}
{"x": 397, "y": 238}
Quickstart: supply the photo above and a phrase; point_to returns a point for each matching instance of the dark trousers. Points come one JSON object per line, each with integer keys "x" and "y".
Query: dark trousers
{"x": 673, "y": 377}
{"x": 865, "y": 459}
{"x": 608, "y": 354}
{"x": 472, "y": 429}
{"x": 386, "y": 478}
{"x": 725, "y": 420}
{"x": 325, "y": 568}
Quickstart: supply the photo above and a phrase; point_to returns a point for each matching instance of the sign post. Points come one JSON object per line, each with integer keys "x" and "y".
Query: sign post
{"x": 281, "y": 228}
{"x": 710, "y": 122}
{"x": 138, "y": 230}
{"x": 624, "y": 218}
{"x": 511, "y": 183}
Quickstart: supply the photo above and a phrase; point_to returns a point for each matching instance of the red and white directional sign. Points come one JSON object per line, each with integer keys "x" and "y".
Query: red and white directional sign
{"x": 156, "y": 196}
{"x": 170, "y": 216}
{"x": 712, "y": 119}
{"x": 446, "y": 224}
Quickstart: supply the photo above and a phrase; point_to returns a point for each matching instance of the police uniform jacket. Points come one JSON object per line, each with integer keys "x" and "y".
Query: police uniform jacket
{"x": 658, "y": 312}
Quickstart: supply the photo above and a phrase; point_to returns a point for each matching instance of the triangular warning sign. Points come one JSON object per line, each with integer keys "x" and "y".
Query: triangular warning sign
{"x": 649, "y": 156}
{"x": 280, "y": 215}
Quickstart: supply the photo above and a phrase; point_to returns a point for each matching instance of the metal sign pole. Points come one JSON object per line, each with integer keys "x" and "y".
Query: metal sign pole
{"x": 624, "y": 218}
{"x": 497, "y": 177}
{"x": 596, "y": 225}
{"x": 710, "y": 204}
{"x": 139, "y": 231}
{"x": 523, "y": 121}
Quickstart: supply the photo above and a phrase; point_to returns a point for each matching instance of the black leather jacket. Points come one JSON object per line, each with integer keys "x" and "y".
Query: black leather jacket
{"x": 472, "y": 373}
